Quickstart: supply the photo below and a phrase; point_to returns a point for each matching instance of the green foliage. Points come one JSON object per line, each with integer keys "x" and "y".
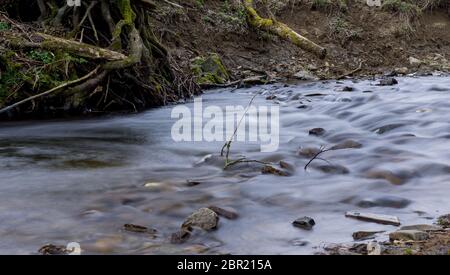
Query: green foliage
{"x": 45, "y": 57}
{"x": 330, "y": 5}
{"x": 200, "y": 3}
{"x": 4, "y": 26}
{"x": 407, "y": 8}
{"x": 408, "y": 251}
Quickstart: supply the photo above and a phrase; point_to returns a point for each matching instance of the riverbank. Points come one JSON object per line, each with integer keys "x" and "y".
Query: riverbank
{"x": 210, "y": 43}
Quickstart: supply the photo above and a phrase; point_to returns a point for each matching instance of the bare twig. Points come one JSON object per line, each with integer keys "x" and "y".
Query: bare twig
{"x": 316, "y": 156}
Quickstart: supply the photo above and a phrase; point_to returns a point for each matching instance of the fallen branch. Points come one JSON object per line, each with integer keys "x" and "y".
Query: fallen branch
{"x": 62, "y": 86}
{"x": 282, "y": 30}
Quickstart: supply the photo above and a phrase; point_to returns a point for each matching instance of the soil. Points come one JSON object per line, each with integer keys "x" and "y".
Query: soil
{"x": 362, "y": 34}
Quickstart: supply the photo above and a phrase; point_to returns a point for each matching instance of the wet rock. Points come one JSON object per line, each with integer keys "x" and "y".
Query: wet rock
{"x": 299, "y": 242}
{"x": 347, "y": 144}
{"x": 333, "y": 169}
{"x": 348, "y": 89}
{"x": 408, "y": 235}
{"x": 268, "y": 169}
{"x": 444, "y": 221}
{"x": 51, "y": 249}
{"x": 287, "y": 166}
{"x": 317, "y": 132}
{"x": 306, "y": 223}
{"x": 308, "y": 152}
{"x": 384, "y": 201}
{"x": 139, "y": 229}
{"x": 364, "y": 235}
{"x": 421, "y": 227}
{"x": 387, "y": 175}
{"x": 271, "y": 97}
{"x": 180, "y": 237}
{"x": 371, "y": 217}
{"x": 203, "y": 218}
{"x": 226, "y": 213}
{"x": 192, "y": 183}
{"x": 387, "y": 128}
{"x": 388, "y": 82}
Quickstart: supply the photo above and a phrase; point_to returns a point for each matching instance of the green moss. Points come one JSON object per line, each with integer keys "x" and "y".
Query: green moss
{"x": 403, "y": 7}
{"x": 209, "y": 70}
{"x": 408, "y": 251}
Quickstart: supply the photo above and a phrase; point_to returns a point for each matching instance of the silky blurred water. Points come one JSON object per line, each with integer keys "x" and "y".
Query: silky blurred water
{"x": 82, "y": 180}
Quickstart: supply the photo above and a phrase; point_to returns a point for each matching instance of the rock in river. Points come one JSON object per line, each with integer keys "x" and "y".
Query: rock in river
{"x": 226, "y": 213}
{"x": 347, "y": 144}
{"x": 317, "y": 132}
{"x": 306, "y": 223}
{"x": 388, "y": 82}
{"x": 203, "y": 218}
{"x": 408, "y": 235}
{"x": 364, "y": 235}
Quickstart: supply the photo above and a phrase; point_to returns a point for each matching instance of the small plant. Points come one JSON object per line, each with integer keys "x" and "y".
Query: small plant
{"x": 4, "y": 26}
{"x": 406, "y": 8}
{"x": 45, "y": 57}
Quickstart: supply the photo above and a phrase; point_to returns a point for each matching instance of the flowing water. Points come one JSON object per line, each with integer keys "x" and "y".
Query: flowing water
{"x": 81, "y": 181}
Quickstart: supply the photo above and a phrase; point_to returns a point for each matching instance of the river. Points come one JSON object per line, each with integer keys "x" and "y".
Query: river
{"x": 82, "y": 180}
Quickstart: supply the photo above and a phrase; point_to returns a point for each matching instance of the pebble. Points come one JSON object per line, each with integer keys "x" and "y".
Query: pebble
{"x": 388, "y": 82}
{"x": 138, "y": 229}
{"x": 306, "y": 223}
{"x": 333, "y": 169}
{"x": 226, "y": 213}
{"x": 364, "y": 235}
{"x": 317, "y": 132}
{"x": 347, "y": 144}
{"x": 203, "y": 218}
{"x": 268, "y": 169}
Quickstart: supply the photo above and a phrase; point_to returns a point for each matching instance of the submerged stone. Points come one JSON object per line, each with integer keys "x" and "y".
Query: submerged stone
{"x": 306, "y": 223}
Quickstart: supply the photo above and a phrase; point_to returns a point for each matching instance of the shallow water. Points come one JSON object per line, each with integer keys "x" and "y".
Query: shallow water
{"x": 81, "y": 181}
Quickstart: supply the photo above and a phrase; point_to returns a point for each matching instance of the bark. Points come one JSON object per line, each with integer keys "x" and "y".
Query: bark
{"x": 281, "y": 30}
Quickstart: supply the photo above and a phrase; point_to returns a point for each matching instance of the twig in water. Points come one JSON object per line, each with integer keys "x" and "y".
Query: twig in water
{"x": 227, "y": 144}
{"x": 316, "y": 156}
